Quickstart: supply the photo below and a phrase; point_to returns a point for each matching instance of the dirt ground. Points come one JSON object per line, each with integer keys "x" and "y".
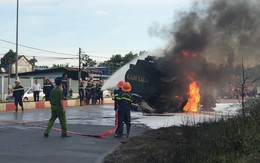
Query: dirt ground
{"x": 144, "y": 147}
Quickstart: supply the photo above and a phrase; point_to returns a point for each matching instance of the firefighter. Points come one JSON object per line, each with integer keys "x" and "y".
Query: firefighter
{"x": 47, "y": 87}
{"x": 99, "y": 98}
{"x": 93, "y": 93}
{"x": 81, "y": 93}
{"x": 101, "y": 82}
{"x": 88, "y": 92}
{"x": 18, "y": 92}
{"x": 124, "y": 107}
{"x": 98, "y": 89}
{"x": 91, "y": 79}
{"x": 65, "y": 86}
{"x": 117, "y": 91}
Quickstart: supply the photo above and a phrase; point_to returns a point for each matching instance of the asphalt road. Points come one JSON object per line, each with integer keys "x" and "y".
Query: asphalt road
{"x": 22, "y": 140}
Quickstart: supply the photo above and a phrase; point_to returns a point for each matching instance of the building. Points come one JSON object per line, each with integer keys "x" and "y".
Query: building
{"x": 24, "y": 65}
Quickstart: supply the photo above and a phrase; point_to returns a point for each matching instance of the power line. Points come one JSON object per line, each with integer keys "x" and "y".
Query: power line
{"x": 50, "y": 51}
{"x": 52, "y": 57}
{"x": 29, "y": 47}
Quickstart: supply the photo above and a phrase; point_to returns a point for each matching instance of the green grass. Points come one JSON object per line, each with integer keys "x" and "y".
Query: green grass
{"x": 232, "y": 140}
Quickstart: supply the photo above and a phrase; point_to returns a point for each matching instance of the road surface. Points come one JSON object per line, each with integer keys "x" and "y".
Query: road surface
{"x": 22, "y": 140}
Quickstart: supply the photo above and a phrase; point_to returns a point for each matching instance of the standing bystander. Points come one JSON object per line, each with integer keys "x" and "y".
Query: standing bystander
{"x": 36, "y": 90}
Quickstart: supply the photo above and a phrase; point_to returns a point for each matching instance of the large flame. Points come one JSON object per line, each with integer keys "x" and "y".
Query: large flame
{"x": 194, "y": 98}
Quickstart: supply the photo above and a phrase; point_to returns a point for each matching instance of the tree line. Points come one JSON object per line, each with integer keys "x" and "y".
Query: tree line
{"x": 114, "y": 63}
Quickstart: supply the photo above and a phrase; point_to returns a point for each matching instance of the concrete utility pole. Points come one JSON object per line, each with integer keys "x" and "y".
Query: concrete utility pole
{"x": 16, "y": 63}
{"x": 79, "y": 75}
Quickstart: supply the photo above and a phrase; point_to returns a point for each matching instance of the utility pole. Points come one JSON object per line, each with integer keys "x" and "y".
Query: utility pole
{"x": 16, "y": 63}
{"x": 9, "y": 74}
{"x": 79, "y": 75}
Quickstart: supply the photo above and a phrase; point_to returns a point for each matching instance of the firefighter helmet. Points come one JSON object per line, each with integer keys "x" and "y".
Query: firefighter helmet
{"x": 120, "y": 84}
{"x": 17, "y": 81}
{"x": 127, "y": 87}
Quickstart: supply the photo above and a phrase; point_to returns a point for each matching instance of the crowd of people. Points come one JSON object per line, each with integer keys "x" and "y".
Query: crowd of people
{"x": 91, "y": 92}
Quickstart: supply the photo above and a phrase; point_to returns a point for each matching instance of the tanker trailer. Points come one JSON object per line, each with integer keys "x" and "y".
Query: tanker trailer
{"x": 148, "y": 84}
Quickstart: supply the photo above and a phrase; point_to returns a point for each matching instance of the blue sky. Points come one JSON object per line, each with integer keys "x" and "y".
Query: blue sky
{"x": 101, "y": 28}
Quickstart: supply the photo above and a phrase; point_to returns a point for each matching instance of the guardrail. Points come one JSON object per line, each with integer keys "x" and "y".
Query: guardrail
{"x": 9, "y": 106}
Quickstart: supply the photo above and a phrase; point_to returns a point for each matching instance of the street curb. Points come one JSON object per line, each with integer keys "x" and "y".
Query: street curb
{"x": 45, "y": 104}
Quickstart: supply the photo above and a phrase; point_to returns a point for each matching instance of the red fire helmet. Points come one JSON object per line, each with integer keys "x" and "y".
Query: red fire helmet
{"x": 120, "y": 84}
{"x": 127, "y": 87}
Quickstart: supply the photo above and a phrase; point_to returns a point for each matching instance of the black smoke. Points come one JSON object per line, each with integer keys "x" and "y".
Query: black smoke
{"x": 214, "y": 38}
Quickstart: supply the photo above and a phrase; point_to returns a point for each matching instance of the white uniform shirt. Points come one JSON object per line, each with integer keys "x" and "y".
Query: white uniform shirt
{"x": 36, "y": 87}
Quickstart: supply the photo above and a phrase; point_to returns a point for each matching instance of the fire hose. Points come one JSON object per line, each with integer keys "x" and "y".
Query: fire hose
{"x": 102, "y": 135}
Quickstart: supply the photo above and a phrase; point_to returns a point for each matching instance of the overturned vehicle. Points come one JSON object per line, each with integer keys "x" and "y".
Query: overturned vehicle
{"x": 163, "y": 85}
{"x": 151, "y": 89}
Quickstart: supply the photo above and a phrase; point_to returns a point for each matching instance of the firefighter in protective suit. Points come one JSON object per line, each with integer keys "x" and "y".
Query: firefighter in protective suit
{"x": 124, "y": 115}
{"x": 88, "y": 92}
{"x": 47, "y": 87}
{"x": 18, "y": 93}
{"x": 81, "y": 93}
{"x": 99, "y": 92}
{"x": 117, "y": 91}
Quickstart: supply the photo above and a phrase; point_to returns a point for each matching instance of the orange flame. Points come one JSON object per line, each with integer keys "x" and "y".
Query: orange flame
{"x": 187, "y": 53}
{"x": 194, "y": 98}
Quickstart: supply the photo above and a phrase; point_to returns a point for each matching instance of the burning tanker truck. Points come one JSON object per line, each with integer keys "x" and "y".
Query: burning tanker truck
{"x": 204, "y": 45}
{"x": 156, "y": 89}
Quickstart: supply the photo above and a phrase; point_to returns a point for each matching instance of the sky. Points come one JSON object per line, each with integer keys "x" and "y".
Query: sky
{"x": 101, "y": 28}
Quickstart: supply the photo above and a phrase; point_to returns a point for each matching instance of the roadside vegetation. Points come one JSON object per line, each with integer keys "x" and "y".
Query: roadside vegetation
{"x": 231, "y": 140}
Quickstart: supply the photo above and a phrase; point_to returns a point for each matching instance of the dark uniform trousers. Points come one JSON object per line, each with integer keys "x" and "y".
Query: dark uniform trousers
{"x": 47, "y": 90}
{"x": 81, "y": 94}
{"x": 57, "y": 112}
{"x": 88, "y": 94}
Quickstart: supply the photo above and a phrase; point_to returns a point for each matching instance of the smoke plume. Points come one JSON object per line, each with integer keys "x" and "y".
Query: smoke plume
{"x": 207, "y": 43}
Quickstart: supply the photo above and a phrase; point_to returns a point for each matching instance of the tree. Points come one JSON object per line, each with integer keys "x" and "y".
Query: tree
{"x": 129, "y": 57}
{"x": 142, "y": 52}
{"x": 244, "y": 77}
{"x": 87, "y": 61}
{"x": 42, "y": 66}
{"x": 8, "y": 58}
{"x": 117, "y": 61}
{"x": 60, "y": 65}
{"x": 33, "y": 60}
